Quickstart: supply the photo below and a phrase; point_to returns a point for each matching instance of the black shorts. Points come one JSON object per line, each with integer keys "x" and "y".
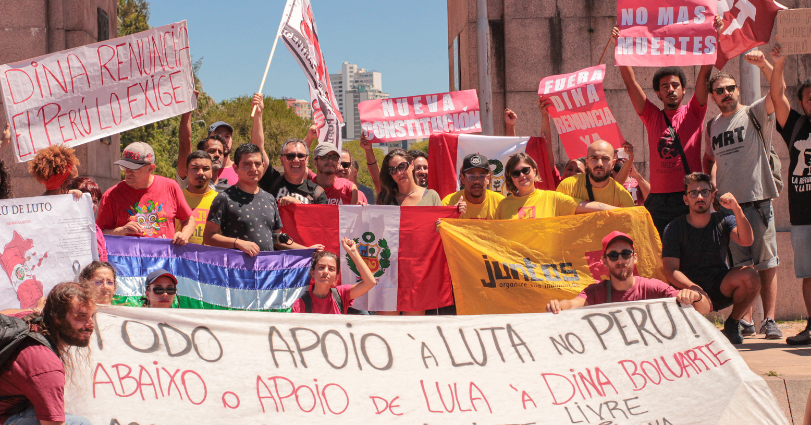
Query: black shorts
{"x": 713, "y": 288}
{"x": 665, "y": 207}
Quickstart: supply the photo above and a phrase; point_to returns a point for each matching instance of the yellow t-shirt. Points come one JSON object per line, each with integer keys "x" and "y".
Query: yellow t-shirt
{"x": 538, "y": 204}
{"x": 200, "y": 205}
{"x": 484, "y": 211}
{"x": 612, "y": 194}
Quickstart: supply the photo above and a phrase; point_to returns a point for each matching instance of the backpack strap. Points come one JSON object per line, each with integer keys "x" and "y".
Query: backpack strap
{"x": 709, "y": 127}
{"x": 589, "y": 189}
{"x": 318, "y": 192}
{"x": 607, "y": 291}
{"x": 308, "y": 302}
{"x": 797, "y": 127}
{"x": 338, "y": 300}
{"x": 679, "y": 147}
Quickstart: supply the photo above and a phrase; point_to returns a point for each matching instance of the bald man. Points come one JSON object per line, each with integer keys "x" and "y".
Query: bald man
{"x": 597, "y": 184}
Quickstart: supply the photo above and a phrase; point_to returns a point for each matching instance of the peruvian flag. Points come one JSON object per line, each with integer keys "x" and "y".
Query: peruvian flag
{"x": 448, "y": 150}
{"x": 747, "y": 24}
{"x": 399, "y": 244}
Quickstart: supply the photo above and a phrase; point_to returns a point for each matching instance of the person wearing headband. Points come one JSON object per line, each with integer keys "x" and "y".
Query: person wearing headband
{"x": 54, "y": 166}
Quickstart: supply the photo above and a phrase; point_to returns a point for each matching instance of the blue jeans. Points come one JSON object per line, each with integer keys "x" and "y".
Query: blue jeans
{"x": 29, "y": 417}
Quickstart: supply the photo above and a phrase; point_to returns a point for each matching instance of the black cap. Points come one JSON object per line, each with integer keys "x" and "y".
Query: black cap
{"x": 155, "y": 274}
{"x": 475, "y": 160}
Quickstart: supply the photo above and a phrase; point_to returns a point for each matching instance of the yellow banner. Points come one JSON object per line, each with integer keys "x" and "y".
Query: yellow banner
{"x": 517, "y": 266}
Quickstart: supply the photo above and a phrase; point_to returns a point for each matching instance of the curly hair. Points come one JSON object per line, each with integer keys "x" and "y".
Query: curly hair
{"x": 512, "y": 163}
{"x": 57, "y": 307}
{"x": 388, "y": 187}
{"x": 5, "y": 182}
{"x": 53, "y": 160}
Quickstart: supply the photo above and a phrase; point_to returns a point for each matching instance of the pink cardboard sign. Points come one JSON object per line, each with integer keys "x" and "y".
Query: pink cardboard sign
{"x": 402, "y": 118}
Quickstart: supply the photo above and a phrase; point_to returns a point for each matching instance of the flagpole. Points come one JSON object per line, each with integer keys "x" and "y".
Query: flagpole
{"x": 605, "y": 50}
{"x": 286, "y": 12}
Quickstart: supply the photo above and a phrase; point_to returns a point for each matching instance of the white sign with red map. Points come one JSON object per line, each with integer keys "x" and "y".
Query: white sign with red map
{"x": 45, "y": 240}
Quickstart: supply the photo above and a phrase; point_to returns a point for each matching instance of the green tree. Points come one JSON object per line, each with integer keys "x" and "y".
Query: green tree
{"x": 358, "y": 154}
{"x": 133, "y": 16}
{"x": 422, "y": 146}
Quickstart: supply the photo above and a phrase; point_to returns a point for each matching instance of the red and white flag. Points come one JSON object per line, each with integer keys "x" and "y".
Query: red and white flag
{"x": 301, "y": 38}
{"x": 399, "y": 244}
{"x": 446, "y": 152}
{"x": 747, "y": 24}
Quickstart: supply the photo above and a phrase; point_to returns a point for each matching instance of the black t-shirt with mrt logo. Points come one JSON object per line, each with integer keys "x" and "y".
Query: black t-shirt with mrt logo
{"x": 799, "y": 170}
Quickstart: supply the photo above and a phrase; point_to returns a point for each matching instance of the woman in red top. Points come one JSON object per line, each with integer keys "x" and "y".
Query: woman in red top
{"x": 324, "y": 272}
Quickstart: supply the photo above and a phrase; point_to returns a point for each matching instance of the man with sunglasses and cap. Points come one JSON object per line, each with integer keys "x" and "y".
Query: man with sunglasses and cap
{"x": 695, "y": 252}
{"x": 293, "y": 187}
{"x": 620, "y": 259}
{"x": 339, "y": 191}
{"x": 145, "y": 204}
{"x": 474, "y": 178}
{"x": 736, "y": 155}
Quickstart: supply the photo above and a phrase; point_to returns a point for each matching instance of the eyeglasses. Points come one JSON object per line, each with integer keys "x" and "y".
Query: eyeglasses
{"x": 476, "y": 177}
{"x": 292, "y": 156}
{"x": 333, "y": 157}
{"x": 517, "y": 173}
{"x": 694, "y": 193}
{"x": 730, "y": 88}
{"x": 614, "y": 255}
{"x": 346, "y": 165}
{"x": 399, "y": 168}
{"x": 171, "y": 290}
{"x": 103, "y": 282}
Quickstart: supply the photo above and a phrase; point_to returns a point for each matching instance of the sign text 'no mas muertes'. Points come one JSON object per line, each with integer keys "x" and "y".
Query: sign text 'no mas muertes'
{"x": 794, "y": 31}
{"x": 666, "y": 33}
{"x": 44, "y": 240}
{"x": 579, "y": 110}
{"x": 83, "y": 94}
{"x": 402, "y": 118}
{"x": 623, "y": 364}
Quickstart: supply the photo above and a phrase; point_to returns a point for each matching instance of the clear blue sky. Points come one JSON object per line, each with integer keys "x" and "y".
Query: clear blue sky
{"x": 404, "y": 40}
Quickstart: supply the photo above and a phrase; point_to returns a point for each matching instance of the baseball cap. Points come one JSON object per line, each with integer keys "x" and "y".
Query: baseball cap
{"x": 611, "y": 237}
{"x": 155, "y": 274}
{"x": 475, "y": 160}
{"x": 219, "y": 124}
{"x": 136, "y": 155}
{"x": 325, "y": 148}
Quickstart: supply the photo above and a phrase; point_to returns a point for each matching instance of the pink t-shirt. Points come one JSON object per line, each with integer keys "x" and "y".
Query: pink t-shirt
{"x": 643, "y": 289}
{"x": 340, "y": 192}
{"x": 155, "y": 207}
{"x": 666, "y": 169}
{"x": 229, "y": 174}
{"x": 102, "y": 243}
{"x": 326, "y": 305}
{"x": 33, "y": 376}
{"x": 632, "y": 186}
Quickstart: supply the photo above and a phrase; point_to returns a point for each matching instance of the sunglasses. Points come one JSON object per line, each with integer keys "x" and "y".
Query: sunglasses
{"x": 694, "y": 193}
{"x": 346, "y": 165}
{"x": 292, "y": 156}
{"x": 171, "y": 290}
{"x": 614, "y": 255}
{"x": 333, "y": 157}
{"x": 476, "y": 177}
{"x": 730, "y": 88}
{"x": 517, "y": 173}
{"x": 400, "y": 168}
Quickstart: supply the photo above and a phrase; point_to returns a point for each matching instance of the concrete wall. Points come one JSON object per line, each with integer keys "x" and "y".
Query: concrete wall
{"x": 534, "y": 39}
{"x": 36, "y": 27}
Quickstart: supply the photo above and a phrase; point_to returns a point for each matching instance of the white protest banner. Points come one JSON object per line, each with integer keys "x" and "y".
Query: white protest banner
{"x": 794, "y": 31}
{"x": 631, "y": 363}
{"x": 45, "y": 240}
{"x": 300, "y": 35}
{"x": 83, "y": 94}
{"x": 579, "y": 110}
{"x": 666, "y": 33}
{"x": 420, "y": 116}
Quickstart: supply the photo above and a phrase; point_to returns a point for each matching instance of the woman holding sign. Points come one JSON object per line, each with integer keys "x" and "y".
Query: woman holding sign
{"x": 323, "y": 296}
{"x": 527, "y": 202}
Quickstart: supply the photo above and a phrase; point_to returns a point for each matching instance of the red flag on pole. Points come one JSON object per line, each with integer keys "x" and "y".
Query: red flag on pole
{"x": 747, "y": 24}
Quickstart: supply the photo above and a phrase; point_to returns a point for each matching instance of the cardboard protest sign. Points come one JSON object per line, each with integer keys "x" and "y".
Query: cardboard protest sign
{"x": 579, "y": 110}
{"x": 794, "y": 31}
{"x": 83, "y": 94}
{"x": 402, "y": 118}
{"x": 642, "y": 362}
{"x": 671, "y": 32}
{"x": 45, "y": 240}
{"x": 518, "y": 266}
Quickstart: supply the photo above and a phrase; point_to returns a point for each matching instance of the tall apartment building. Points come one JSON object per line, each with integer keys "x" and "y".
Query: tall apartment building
{"x": 351, "y": 86}
{"x": 302, "y": 107}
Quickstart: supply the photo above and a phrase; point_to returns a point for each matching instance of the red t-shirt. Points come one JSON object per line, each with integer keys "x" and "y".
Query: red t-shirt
{"x": 326, "y": 305}
{"x": 632, "y": 186}
{"x": 340, "y": 192}
{"x": 643, "y": 289}
{"x": 666, "y": 169}
{"x": 155, "y": 207}
{"x": 33, "y": 376}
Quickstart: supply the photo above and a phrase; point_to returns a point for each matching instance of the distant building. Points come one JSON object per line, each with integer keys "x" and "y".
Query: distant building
{"x": 303, "y": 108}
{"x": 351, "y": 86}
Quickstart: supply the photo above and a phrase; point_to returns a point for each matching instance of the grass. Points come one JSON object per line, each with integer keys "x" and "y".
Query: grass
{"x": 772, "y": 373}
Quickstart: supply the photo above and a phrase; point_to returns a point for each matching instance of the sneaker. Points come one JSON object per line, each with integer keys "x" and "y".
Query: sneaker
{"x": 747, "y": 329}
{"x": 770, "y": 329}
{"x": 802, "y": 338}
{"x": 732, "y": 331}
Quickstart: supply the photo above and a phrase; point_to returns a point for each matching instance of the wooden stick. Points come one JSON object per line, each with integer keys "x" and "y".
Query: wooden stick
{"x": 272, "y": 50}
{"x": 605, "y": 50}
